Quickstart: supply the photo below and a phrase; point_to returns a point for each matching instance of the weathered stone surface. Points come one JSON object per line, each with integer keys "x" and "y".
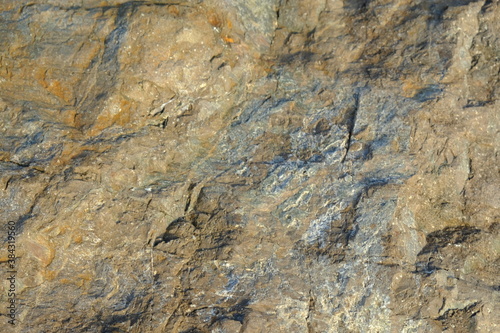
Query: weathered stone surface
{"x": 251, "y": 166}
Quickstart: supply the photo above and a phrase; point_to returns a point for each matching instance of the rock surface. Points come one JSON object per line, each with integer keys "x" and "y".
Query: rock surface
{"x": 251, "y": 165}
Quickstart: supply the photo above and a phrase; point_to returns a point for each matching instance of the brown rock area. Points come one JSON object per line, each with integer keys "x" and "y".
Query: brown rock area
{"x": 245, "y": 166}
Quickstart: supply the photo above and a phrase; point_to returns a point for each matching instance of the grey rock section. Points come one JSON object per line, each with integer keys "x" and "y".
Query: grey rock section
{"x": 251, "y": 166}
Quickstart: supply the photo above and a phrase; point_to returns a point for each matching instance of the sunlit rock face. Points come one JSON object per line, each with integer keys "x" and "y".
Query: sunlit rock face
{"x": 251, "y": 165}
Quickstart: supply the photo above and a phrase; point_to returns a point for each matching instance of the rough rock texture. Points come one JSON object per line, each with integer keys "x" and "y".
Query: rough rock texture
{"x": 251, "y": 165}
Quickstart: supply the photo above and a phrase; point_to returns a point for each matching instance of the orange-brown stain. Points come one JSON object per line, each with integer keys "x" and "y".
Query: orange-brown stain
{"x": 228, "y": 39}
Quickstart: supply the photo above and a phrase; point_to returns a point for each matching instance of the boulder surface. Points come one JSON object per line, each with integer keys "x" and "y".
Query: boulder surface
{"x": 245, "y": 166}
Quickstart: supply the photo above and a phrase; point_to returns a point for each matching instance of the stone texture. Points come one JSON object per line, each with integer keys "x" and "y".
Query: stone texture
{"x": 251, "y": 165}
